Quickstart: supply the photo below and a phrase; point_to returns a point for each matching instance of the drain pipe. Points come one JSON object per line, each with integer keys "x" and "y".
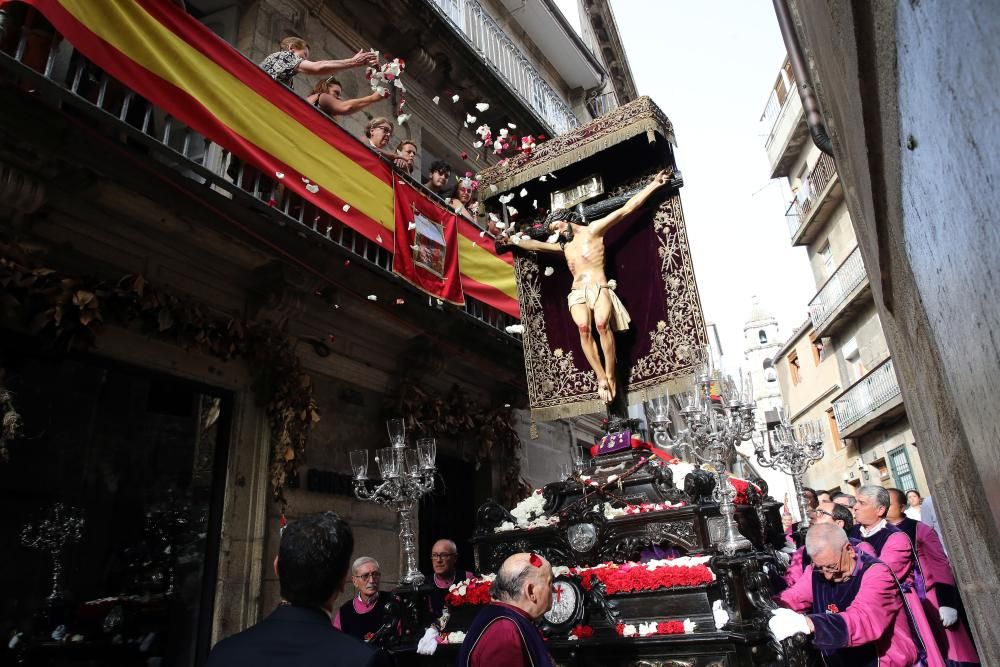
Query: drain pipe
{"x": 810, "y": 105}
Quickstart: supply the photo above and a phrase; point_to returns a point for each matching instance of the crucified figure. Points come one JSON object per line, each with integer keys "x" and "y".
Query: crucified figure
{"x": 592, "y": 300}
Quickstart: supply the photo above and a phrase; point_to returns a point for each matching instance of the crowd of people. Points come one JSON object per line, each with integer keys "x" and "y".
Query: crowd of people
{"x": 873, "y": 583}
{"x": 869, "y": 585}
{"x": 327, "y": 96}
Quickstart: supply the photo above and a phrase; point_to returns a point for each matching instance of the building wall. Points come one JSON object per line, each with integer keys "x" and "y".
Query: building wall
{"x": 838, "y": 232}
{"x": 915, "y": 154}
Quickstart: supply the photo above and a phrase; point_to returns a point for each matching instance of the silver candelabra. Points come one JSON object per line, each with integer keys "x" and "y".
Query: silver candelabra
{"x": 62, "y": 526}
{"x": 407, "y": 474}
{"x": 718, "y": 415}
{"x": 791, "y": 449}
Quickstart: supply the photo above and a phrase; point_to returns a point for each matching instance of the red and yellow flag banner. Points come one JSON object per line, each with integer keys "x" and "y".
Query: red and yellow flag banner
{"x": 179, "y": 65}
{"x": 426, "y": 237}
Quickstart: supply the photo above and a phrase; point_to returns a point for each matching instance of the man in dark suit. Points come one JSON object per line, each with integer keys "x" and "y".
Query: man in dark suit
{"x": 312, "y": 568}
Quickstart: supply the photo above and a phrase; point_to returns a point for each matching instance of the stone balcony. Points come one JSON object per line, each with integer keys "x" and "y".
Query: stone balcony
{"x": 840, "y": 296}
{"x": 869, "y": 403}
{"x": 823, "y": 191}
{"x": 786, "y": 131}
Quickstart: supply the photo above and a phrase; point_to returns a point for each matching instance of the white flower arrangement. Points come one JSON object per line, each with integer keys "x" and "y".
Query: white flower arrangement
{"x": 456, "y": 637}
{"x": 530, "y": 512}
{"x": 387, "y": 76}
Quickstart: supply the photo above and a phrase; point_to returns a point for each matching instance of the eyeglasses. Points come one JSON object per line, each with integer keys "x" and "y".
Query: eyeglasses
{"x": 812, "y": 513}
{"x": 369, "y": 576}
{"x": 836, "y": 568}
{"x": 442, "y": 556}
{"x": 386, "y": 130}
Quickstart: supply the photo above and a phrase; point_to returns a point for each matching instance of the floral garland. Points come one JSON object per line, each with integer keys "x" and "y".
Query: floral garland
{"x": 470, "y": 591}
{"x": 73, "y": 310}
{"x": 611, "y": 512}
{"x": 653, "y": 628}
{"x": 632, "y": 577}
{"x": 492, "y": 428}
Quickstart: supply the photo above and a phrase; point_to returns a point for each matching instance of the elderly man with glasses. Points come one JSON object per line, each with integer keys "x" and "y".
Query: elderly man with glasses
{"x": 444, "y": 561}
{"x": 825, "y": 513}
{"x": 849, "y": 602}
{"x": 365, "y": 613}
{"x": 894, "y": 548}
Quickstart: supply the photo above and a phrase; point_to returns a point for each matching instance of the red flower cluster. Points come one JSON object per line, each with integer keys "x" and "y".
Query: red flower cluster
{"x": 582, "y": 632}
{"x": 638, "y": 578}
{"x": 477, "y": 591}
{"x": 741, "y": 486}
{"x": 662, "y": 628}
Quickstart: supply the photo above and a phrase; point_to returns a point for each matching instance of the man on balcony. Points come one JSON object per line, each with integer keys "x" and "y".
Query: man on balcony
{"x": 293, "y": 58}
{"x": 592, "y": 300}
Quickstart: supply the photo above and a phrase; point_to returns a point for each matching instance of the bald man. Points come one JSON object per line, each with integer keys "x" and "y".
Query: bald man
{"x": 851, "y": 604}
{"x": 826, "y": 512}
{"x": 444, "y": 561}
{"x": 504, "y": 632}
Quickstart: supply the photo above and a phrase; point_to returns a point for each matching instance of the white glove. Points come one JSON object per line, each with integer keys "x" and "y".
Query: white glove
{"x": 720, "y": 614}
{"x": 949, "y": 616}
{"x": 428, "y": 643}
{"x": 784, "y": 623}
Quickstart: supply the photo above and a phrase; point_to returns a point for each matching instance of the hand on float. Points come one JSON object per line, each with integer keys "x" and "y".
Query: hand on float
{"x": 949, "y": 616}
{"x": 786, "y": 623}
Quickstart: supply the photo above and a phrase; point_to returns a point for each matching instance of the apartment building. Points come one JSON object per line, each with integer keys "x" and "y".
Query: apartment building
{"x": 836, "y": 368}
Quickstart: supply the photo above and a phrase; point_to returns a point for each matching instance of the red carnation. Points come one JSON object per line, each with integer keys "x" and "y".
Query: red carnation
{"x": 582, "y": 632}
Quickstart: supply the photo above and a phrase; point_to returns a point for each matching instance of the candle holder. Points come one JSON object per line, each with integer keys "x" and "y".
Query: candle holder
{"x": 719, "y": 414}
{"x": 791, "y": 449}
{"x": 62, "y": 526}
{"x": 406, "y": 474}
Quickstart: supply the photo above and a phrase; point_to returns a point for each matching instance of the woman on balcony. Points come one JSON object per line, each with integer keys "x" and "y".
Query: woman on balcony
{"x": 461, "y": 200}
{"x": 293, "y": 58}
{"x": 326, "y": 96}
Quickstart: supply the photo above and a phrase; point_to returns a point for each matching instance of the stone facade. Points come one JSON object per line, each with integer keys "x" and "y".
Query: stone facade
{"x": 913, "y": 153}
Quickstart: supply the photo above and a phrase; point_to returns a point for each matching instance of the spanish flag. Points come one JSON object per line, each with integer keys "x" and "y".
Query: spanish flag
{"x": 179, "y": 65}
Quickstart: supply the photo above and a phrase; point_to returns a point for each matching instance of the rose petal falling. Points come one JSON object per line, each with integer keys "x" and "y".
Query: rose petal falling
{"x": 402, "y": 118}
{"x": 482, "y": 234}
{"x": 543, "y": 178}
{"x": 515, "y": 329}
{"x": 372, "y": 297}
{"x": 549, "y": 270}
{"x": 436, "y": 99}
{"x": 305, "y": 180}
{"x": 345, "y": 208}
{"x": 482, "y": 107}
{"x": 469, "y": 118}
{"x": 455, "y": 99}
{"x": 278, "y": 174}
{"x": 523, "y": 192}
{"x": 378, "y": 238}
{"x": 410, "y": 227}
{"x": 313, "y": 188}
{"x": 512, "y": 126}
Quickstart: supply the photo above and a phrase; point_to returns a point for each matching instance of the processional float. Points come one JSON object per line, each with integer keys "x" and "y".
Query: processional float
{"x": 662, "y": 556}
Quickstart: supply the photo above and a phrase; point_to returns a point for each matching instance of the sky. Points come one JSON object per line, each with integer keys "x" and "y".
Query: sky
{"x": 710, "y": 65}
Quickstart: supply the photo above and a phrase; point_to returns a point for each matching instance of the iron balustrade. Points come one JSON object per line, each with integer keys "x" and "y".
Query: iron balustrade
{"x": 481, "y": 31}
{"x": 603, "y": 104}
{"x": 63, "y": 76}
{"x": 837, "y": 288}
{"x": 866, "y": 395}
{"x": 774, "y": 109}
{"x": 816, "y": 183}
{"x": 793, "y": 218}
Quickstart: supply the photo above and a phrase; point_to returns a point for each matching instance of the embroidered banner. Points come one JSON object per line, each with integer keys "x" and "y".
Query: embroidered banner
{"x": 426, "y": 239}
{"x": 178, "y": 64}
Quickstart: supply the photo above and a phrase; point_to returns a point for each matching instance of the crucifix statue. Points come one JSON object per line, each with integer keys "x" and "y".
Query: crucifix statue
{"x": 592, "y": 300}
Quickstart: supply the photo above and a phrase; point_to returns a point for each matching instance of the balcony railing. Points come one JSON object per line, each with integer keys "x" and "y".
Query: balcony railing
{"x": 866, "y": 396}
{"x": 793, "y": 218}
{"x": 486, "y": 36}
{"x": 69, "y": 79}
{"x": 772, "y": 112}
{"x": 603, "y": 104}
{"x": 837, "y": 288}
{"x": 816, "y": 183}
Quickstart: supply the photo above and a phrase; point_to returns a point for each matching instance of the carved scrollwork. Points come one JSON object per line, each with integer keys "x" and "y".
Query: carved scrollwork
{"x": 699, "y": 484}
{"x": 599, "y": 595}
{"x": 679, "y": 533}
{"x": 555, "y": 495}
{"x": 489, "y": 517}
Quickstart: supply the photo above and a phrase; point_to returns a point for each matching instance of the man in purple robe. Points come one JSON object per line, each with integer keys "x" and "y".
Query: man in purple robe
{"x": 850, "y": 603}
{"x": 893, "y": 547}
{"x": 504, "y": 631}
{"x": 444, "y": 558}
{"x": 825, "y": 512}
{"x": 942, "y": 601}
